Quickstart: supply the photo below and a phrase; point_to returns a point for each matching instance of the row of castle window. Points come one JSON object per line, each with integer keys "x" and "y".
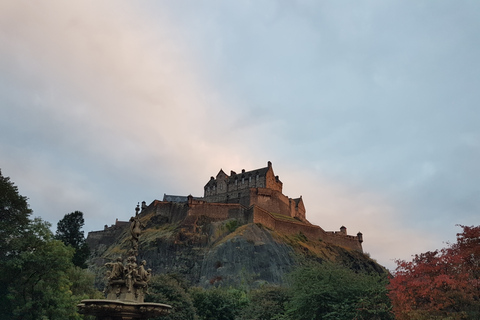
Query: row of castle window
{"x": 236, "y": 183}
{"x": 249, "y": 179}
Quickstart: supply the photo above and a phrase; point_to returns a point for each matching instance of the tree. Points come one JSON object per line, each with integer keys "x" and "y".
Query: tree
{"x": 36, "y": 271}
{"x": 218, "y": 303}
{"x": 14, "y": 216}
{"x": 441, "y": 284}
{"x": 330, "y": 291}
{"x": 70, "y": 233}
{"x": 265, "y": 303}
{"x": 36, "y": 279}
{"x": 172, "y": 289}
{"x": 14, "y": 219}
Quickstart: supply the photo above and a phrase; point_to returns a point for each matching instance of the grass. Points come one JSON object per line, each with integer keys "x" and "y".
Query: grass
{"x": 283, "y": 217}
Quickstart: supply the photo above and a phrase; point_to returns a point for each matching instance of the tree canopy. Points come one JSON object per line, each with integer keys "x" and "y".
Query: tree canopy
{"x": 331, "y": 291}
{"x": 69, "y": 231}
{"x": 440, "y": 284}
{"x": 14, "y": 216}
{"x": 36, "y": 271}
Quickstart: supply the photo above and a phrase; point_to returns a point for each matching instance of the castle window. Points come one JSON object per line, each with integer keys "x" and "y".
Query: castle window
{"x": 250, "y": 179}
{"x": 243, "y": 180}
{"x": 236, "y": 181}
{"x": 213, "y": 188}
{"x": 256, "y": 177}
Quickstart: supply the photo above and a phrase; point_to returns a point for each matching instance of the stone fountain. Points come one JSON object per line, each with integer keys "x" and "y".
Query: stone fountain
{"x": 126, "y": 285}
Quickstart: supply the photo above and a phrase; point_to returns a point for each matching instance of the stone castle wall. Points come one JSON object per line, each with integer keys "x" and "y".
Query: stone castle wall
{"x": 312, "y": 232}
{"x": 189, "y": 213}
{"x": 217, "y": 211}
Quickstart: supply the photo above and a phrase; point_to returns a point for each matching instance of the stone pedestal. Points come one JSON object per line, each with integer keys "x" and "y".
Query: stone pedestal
{"x": 122, "y": 310}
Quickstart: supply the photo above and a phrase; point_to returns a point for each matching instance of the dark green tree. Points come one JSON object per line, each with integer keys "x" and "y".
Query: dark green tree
{"x": 14, "y": 217}
{"x": 14, "y": 220}
{"x": 172, "y": 289}
{"x": 330, "y": 291}
{"x": 36, "y": 271}
{"x": 265, "y": 303}
{"x": 69, "y": 231}
{"x": 218, "y": 303}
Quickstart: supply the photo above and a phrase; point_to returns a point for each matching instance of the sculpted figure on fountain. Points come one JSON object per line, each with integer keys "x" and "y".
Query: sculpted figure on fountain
{"x": 128, "y": 281}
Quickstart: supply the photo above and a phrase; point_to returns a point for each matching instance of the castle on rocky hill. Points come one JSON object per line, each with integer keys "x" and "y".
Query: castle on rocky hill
{"x": 249, "y": 197}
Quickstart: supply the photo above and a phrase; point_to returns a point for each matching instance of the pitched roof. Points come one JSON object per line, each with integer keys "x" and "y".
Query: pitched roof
{"x": 237, "y": 176}
{"x": 261, "y": 172}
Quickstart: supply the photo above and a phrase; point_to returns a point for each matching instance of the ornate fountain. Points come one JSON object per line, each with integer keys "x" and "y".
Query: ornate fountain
{"x": 126, "y": 285}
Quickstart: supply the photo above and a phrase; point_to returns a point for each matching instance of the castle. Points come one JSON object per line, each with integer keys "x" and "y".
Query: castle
{"x": 249, "y": 197}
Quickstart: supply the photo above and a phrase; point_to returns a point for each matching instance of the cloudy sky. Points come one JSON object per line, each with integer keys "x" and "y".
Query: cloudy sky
{"x": 368, "y": 109}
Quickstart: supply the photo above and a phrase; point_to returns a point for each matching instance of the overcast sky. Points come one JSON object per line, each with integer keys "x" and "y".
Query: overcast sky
{"x": 368, "y": 109}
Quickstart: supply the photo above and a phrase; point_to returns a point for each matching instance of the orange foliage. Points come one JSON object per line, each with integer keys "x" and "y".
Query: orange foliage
{"x": 441, "y": 283}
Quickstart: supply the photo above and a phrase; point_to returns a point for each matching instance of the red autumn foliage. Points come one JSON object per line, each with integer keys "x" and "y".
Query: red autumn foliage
{"x": 443, "y": 284}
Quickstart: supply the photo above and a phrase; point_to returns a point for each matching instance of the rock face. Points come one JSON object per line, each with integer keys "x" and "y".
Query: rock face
{"x": 247, "y": 256}
{"x": 228, "y": 252}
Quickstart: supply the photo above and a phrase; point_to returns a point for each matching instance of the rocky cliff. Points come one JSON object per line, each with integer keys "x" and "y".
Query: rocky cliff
{"x": 227, "y": 252}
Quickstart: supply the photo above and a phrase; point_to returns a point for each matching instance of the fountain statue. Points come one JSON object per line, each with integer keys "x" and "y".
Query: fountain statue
{"x": 126, "y": 285}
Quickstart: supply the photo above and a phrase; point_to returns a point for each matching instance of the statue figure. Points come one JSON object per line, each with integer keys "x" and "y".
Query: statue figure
{"x": 107, "y": 284}
{"x": 130, "y": 272}
{"x": 142, "y": 274}
{"x": 135, "y": 231}
{"x": 117, "y": 269}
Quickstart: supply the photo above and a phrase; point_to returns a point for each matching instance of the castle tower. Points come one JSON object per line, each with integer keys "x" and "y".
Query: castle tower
{"x": 260, "y": 187}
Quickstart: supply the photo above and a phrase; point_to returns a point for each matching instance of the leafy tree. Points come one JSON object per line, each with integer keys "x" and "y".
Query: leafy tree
{"x": 330, "y": 291}
{"x": 14, "y": 220}
{"x": 38, "y": 285}
{"x": 218, "y": 303}
{"x": 36, "y": 270}
{"x": 83, "y": 284}
{"x": 265, "y": 303}
{"x": 69, "y": 232}
{"x": 14, "y": 217}
{"x": 172, "y": 289}
{"x": 443, "y": 284}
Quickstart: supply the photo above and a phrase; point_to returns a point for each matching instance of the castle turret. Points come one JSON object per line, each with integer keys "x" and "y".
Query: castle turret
{"x": 360, "y": 237}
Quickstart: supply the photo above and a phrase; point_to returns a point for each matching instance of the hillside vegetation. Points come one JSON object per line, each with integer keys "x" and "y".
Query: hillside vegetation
{"x": 227, "y": 253}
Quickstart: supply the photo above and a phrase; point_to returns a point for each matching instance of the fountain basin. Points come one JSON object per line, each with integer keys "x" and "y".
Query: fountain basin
{"x": 104, "y": 309}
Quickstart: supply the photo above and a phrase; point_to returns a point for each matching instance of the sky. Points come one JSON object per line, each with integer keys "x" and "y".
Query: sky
{"x": 367, "y": 109}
